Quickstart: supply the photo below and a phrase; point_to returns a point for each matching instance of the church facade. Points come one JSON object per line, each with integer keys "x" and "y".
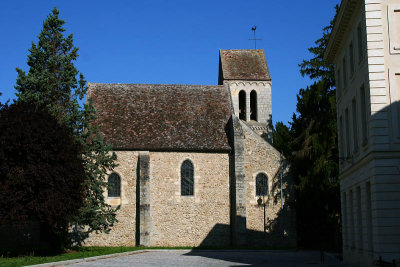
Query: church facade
{"x": 196, "y": 164}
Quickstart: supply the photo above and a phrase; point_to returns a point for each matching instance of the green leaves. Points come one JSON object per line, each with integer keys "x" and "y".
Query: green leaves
{"x": 282, "y": 138}
{"x": 52, "y": 81}
{"x": 52, "y": 74}
{"x": 314, "y": 152}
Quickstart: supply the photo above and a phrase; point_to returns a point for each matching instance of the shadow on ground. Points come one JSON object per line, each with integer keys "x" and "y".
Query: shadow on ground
{"x": 269, "y": 258}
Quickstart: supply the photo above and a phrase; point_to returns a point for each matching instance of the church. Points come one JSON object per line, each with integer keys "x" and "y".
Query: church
{"x": 195, "y": 162}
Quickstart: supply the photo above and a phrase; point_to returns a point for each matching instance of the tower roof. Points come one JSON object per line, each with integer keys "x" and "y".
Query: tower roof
{"x": 162, "y": 117}
{"x": 241, "y": 64}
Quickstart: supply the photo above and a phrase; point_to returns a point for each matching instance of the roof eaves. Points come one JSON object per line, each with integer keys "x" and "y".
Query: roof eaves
{"x": 340, "y": 27}
{"x": 198, "y": 150}
{"x": 240, "y": 79}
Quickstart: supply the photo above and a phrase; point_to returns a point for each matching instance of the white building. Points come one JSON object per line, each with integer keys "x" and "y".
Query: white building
{"x": 365, "y": 48}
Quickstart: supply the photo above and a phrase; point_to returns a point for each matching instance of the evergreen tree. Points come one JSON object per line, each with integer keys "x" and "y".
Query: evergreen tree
{"x": 52, "y": 81}
{"x": 315, "y": 160}
{"x": 282, "y": 138}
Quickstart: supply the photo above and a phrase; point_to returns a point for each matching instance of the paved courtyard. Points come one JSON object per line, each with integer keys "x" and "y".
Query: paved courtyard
{"x": 212, "y": 258}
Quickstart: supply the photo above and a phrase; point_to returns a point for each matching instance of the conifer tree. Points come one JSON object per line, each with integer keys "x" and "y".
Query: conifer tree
{"x": 282, "y": 138}
{"x": 311, "y": 147}
{"x": 315, "y": 160}
{"x": 52, "y": 81}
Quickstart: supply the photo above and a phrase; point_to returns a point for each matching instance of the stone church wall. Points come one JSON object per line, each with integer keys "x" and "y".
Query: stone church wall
{"x": 175, "y": 220}
{"x": 123, "y": 232}
{"x": 202, "y": 219}
{"x": 261, "y": 157}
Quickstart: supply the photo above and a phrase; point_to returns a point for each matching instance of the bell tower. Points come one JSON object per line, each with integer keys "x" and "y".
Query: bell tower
{"x": 247, "y": 75}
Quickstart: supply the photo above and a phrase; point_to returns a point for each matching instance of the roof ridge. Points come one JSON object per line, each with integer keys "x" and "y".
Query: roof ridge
{"x": 152, "y": 84}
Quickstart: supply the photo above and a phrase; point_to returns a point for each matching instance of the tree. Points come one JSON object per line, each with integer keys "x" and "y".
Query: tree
{"x": 315, "y": 164}
{"x": 52, "y": 81}
{"x": 282, "y": 138}
{"x": 317, "y": 68}
{"x": 314, "y": 157}
{"x": 41, "y": 176}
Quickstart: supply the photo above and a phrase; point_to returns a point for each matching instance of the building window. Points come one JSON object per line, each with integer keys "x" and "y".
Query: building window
{"x": 253, "y": 105}
{"x": 359, "y": 220}
{"x": 187, "y": 178}
{"x": 341, "y": 140}
{"x": 369, "y": 216}
{"x": 346, "y": 121}
{"x": 261, "y": 185}
{"x": 114, "y": 183}
{"x": 363, "y": 115}
{"x": 360, "y": 44}
{"x": 344, "y": 73}
{"x": 242, "y": 105}
{"x": 394, "y": 87}
{"x": 351, "y": 210}
{"x": 394, "y": 28}
{"x": 351, "y": 52}
{"x": 344, "y": 218}
{"x": 339, "y": 83}
{"x": 355, "y": 132}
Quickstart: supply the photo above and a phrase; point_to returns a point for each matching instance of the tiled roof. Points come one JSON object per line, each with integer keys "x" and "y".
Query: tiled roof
{"x": 244, "y": 65}
{"x": 162, "y": 117}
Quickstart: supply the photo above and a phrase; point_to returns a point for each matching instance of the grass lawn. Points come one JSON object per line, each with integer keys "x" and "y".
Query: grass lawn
{"x": 77, "y": 253}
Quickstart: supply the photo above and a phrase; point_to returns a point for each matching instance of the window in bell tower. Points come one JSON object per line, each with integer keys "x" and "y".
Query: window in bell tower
{"x": 242, "y": 105}
{"x": 253, "y": 105}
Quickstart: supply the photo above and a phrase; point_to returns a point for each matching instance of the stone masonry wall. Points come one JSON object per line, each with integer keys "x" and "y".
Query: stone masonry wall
{"x": 238, "y": 185}
{"x": 264, "y": 101}
{"x": 264, "y": 104}
{"x": 202, "y": 219}
{"x": 123, "y": 232}
{"x": 261, "y": 157}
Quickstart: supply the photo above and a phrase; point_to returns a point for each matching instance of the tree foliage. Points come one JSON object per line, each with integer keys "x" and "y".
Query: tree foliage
{"x": 282, "y": 138}
{"x": 52, "y": 81}
{"x": 317, "y": 68}
{"x": 314, "y": 152}
{"x": 41, "y": 177}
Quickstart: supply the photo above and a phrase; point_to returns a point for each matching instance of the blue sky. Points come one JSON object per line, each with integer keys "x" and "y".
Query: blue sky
{"x": 170, "y": 41}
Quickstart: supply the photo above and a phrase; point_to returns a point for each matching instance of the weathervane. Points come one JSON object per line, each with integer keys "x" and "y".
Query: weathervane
{"x": 254, "y": 28}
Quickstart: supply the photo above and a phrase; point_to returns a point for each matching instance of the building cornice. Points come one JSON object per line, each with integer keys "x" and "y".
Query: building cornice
{"x": 343, "y": 19}
{"x": 365, "y": 160}
{"x": 247, "y": 82}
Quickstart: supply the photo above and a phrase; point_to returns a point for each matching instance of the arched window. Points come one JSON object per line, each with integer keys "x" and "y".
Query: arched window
{"x": 242, "y": 105}
{"x": 253, "y": 105}
{"x": 187, "y": 178}
{"x": 114, "y": 181}
{"x": 261, "y": 185}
